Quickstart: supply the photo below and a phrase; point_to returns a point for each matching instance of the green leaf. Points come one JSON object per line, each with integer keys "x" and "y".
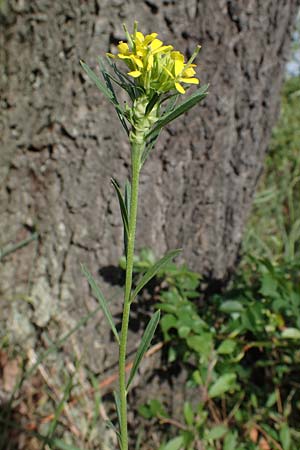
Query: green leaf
{"x": 107, "y": 77}
{"x": 59, "y": 409}
{"x": 173, "y": 444}
{"x": 201, "y": 344}
{"x": 290, "y": 333}
{"x": 168, "y": 321}
{"x": 188, "y": 414}
{"x": 231, "y": 306}
{"x": 230, "y": 441}
{"x": 223, "y": 384}
{"x": 285, "y": 437}
{"x": 216, "y": 432}
{"x": 153, "y": 271}
{"x": 145, "y": 342}
{"x": 226, "y": 347}
{"x": 118, "y": 407}
{"x": 127, "y": 197}
{"x": 108, "y": 94}
{"x": 124, "y": 212}
{"x": 187, "y": 104}
{"x": 100, "y": 297}
{"x": 157, "y": 408}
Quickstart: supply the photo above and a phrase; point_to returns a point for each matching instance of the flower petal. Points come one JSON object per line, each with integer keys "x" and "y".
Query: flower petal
{"x": 190, "y": 80}
{"x": 135, "y": 73}
{"x": 178, "y": 67}
{"x": 123, "y": 48}
{"x": 137, "y": 61}
{"x": 189, "y": 72}
{"x": 179, "y": 88}
{"x": 149, "y": 38}
{"x": 164, "y": 49}
{"x": 155, "y": 44}
{"x": 139, "y": 36}
{"x": 150, "y": 62}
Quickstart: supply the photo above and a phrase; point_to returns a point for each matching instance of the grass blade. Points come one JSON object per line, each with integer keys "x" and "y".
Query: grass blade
{"x": 100, "y": 297}
{"x": 59, "y": 410}
{"x": 61, "y": 445}
{"x": 153, "y": 271}
{"x": 144, "y": 345}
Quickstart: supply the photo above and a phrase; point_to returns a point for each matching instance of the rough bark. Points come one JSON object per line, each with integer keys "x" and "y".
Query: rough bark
{"x": 61, "y": 142}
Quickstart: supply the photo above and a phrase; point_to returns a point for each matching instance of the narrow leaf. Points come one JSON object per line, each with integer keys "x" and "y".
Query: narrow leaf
{"x": 107, "y": 92}
{"x": 98, "y": 294}
{"x": 153, "y": 271}
{"x": 127, "y": 197}
{"x": 191, "y": 101}
{"x": 107, "y": 78}
{"x": 145, "y": 342}
{"x": 122, "y": 204}
{"x": 118, "y": 407}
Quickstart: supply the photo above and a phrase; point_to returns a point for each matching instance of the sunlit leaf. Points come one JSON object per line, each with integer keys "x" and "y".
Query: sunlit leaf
{"x": 153, "y": 271}
{"x": 144, "y": 345}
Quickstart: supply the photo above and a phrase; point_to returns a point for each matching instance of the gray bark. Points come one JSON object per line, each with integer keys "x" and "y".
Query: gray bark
{"x": 61, "y": 143}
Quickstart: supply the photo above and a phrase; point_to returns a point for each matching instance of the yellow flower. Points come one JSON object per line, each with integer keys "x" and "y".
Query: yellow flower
{"x": 155, "y": 66}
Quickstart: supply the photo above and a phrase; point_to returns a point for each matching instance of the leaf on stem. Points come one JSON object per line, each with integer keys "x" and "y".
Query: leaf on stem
{"x": 144, "y": 345}
{"x": 153, "y": 271}
{"x": 187, "y": 104}
{"x": 109, "y": 93}
{"x": 127, "y": 197}
{"x": 100, "y": 297}
{"x": 107, "y": 78}
{"x": 123, "y": 209}
{"x": 118, "y": 409}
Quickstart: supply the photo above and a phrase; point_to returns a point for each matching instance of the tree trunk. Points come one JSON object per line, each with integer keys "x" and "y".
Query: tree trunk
{"x": 61, "y": 143}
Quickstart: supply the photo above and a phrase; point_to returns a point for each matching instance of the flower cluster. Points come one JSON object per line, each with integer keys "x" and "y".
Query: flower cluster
{"x": 155, "y": 66}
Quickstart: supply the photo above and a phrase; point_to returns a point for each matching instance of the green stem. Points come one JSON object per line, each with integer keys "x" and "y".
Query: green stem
{"x": 136, "y": 151}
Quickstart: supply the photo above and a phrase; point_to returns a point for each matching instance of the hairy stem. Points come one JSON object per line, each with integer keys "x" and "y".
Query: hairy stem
{"x": 136, "y": 151}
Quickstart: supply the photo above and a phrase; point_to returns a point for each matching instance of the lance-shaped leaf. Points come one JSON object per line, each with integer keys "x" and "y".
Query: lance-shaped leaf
{"x": 100, "y": 297}
{"x": 153, "y": 271}
{"x": 144, "y": 345}
{"x": 118, "y": 406}
{"x": 107, "y": 92}
{"x": 123, "y": 210}
{"x": 187, "y": 104}
{"x": 124, "y": 81}
{"x": 127, "y": 197}
{"x": 107, "y": 78}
